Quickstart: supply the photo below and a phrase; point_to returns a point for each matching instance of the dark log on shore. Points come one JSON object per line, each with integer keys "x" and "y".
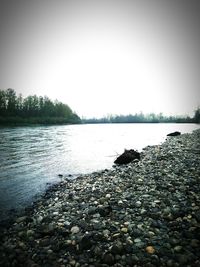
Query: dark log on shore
{"x": 174, "y": 134}
{"x": 127, "y": 157}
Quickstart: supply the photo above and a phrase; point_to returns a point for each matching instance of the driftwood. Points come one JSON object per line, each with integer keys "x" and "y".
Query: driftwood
{"x": 174, "y": 134}
{"x": 127, "y": 157}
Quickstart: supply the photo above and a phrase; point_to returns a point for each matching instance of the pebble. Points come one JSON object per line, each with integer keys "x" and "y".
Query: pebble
{"x": 137, "y": 240}
{"x": 150, "y": 250}
{"x": 117, "y": 248}
{"x": 72, "y": 262}
{"x": 177, "y": 248}
{"x": 138, "y": 204}
{"x": 21, "y": 219}
{"x": 124, "y": 230}
{"x": 75, "y": 229}
{"x": 108, "y": 258}
{"x": 143, "y": 211}
{"x": 194, "y": 243}
{"x": 30, "y": 232}
{"x": 106, "y": 232}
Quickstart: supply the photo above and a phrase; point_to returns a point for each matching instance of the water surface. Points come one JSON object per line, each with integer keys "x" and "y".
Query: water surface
{"x": 32, "y": 157}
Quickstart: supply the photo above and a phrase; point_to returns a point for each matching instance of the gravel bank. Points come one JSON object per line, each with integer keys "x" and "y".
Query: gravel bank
{"x": 146, "y": 213}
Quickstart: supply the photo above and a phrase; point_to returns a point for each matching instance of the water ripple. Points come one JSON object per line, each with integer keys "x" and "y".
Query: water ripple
{"x": 31, "y": 157}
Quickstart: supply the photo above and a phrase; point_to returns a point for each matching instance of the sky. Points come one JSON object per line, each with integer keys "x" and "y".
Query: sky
{"x": 104, "y": 57}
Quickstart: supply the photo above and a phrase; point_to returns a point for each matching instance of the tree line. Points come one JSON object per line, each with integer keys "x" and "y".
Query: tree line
{"x": 14, "y": 109}
{"x": 33, "y": 109}
{"x": 197, "y": 115}
{"x": 146, "y": 118}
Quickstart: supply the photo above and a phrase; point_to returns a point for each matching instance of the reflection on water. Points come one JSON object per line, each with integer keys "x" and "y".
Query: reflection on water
{"x": 31, "y": 157}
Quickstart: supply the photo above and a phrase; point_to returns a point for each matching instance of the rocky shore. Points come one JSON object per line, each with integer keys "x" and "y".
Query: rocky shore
{"x": 145, "y": 213}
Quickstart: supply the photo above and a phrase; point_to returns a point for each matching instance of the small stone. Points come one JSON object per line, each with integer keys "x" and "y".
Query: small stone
{"x": 138, "y": 204}
{"x": 146, "y": 196}
{"x": 21, "y": 234}
{"x": 49, "y": 251}
{"x": 177, "y": 248}
{"x": 72, "y": 262}
{"x": 124, "y": 230}
{"x": 116, "y": 235}
{"x": 150, "y": 250}
{"x": 96, "y": 224}
{"x": 108, "y": 195}
{"x": 96, "y": 215}
{"x": 174, "y": 241}
{"x": 117, "y": 248}
{"x": 183, "y": 259}
{"x": 102, "y": 200}
{"x": 47, "y": 229}
{"x": 140, "y": 226}
{"x": 105, "y": 210}
{"x": 67, "y": 223}
{"x": 97, "y": 251}
{"x": 92, "y": 210}
{"x": 22, "y": 245}
{"x": 21, "y": 219}
{"x": 137, "y": 240}
{"x": 73, "y": 242}
{"x": 143, "y": 211}
{"x": 170, "y": 263}
{"x": 30, "y": 232}
{"x": 129, "y": 241}
{"x": 150, "y": 233}
{"x": 108, "y": 259}
{"x": 140, "y": 245}
{"x": 86, "y": 242}
{"x": 106, "y": 232}
{"x": 39, "y": 219}
{"x": 194, "y": 243}
{"x": 135, "y": 259}
{"x": 75, "y": 229}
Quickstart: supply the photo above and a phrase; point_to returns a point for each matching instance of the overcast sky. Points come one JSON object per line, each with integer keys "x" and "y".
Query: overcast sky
{"x": 103, "y": 57}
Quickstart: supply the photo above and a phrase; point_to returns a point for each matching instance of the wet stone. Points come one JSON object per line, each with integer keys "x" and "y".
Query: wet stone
{"x": 21, "y": 219}
{"x": 108, "y": 258}
{"x": 138, "y": 204}
{"x": 105, "y": 210}
{"x": 86, "y": 242}
{"x": 117, "y": 248}
{"x": 75, "y": 229}
{"x": 30, "y": 232}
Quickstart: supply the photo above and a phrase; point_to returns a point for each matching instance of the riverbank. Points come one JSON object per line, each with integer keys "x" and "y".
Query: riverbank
{"x": 37, "y": 121}
{"x": 146, "y": 213}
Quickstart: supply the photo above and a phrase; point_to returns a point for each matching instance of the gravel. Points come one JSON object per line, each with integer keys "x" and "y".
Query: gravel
{"x": 145, "y": 213}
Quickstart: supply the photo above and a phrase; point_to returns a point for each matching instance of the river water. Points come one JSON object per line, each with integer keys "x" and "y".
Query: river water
{"x": 32, "y": 157}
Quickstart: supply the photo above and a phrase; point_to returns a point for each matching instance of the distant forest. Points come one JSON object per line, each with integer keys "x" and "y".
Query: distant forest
{"x": 14, "y": 109}
{"x": 147, "y": 118}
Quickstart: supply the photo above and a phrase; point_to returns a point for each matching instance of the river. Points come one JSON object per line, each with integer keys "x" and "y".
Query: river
{"x": 32, "y": 157}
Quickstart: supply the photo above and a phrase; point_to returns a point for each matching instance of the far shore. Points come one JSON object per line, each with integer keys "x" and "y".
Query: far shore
{"x": 25, "y": 123}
